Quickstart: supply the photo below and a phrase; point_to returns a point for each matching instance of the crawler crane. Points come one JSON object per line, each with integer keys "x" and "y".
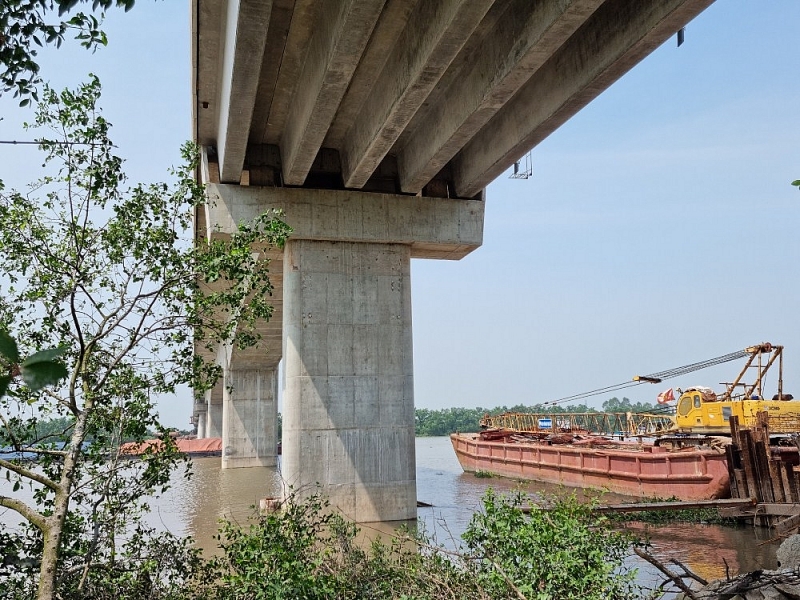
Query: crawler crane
{"x": 699, "y": 411}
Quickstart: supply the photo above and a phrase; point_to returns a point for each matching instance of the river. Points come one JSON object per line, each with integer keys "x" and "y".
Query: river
{"x": 194, "y": 507}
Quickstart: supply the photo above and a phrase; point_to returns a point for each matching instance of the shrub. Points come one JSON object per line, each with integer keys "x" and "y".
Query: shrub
{"x": 306, "y": 550}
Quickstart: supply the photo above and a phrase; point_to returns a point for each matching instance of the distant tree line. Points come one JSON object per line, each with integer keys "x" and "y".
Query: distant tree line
{"x": 427, "y": 422}
{"x": 466, "y": 420}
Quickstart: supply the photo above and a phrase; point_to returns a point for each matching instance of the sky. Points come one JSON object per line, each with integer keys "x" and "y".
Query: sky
{"x": 658, "y": 228}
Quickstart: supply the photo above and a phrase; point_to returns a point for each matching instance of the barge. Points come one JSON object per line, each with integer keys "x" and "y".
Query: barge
{"x": 630, "y": 468}
{"x": 190, "y": 446}
{"x": 684, "y": 457}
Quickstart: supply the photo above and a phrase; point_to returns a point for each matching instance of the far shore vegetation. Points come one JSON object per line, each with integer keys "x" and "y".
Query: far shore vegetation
{"x": 428, "y": 422}
{"x": 466, "y": 420}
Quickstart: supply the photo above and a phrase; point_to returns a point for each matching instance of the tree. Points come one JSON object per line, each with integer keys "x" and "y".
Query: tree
{"x": 615, "y": 405}
{"x": 105, "y": 274}
{"x": 25, "y": 25}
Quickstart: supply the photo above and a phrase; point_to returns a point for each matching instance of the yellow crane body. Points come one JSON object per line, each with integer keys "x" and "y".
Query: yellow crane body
{"x": 698, "y": 415}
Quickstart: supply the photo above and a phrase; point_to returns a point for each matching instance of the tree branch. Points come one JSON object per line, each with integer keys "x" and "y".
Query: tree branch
{"x": 28, "y": 474}
{"x": 674, "y": 577}
{"x": 44, "y": 451}
{"x": 31, "y": 515}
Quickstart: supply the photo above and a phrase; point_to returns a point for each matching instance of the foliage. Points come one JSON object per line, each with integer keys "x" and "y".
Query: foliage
{"x": 37, "y": 371}
{"x": 465, "y": 420}
{"x": 615, "y": 405}
{"x": 105, "y": 274}
{"x": 305, "y": 550}
{"x": 565, "y": 551}
{"x": 26, "y": 26}
{"x": 148, "y": 564}
{"x": 38, "y": 432}
{"x": 446, "y": 421}
{"x": 796, "y": 182}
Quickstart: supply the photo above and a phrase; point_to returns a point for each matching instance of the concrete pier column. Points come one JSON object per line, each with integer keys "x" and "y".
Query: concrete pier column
{"x": 214, "y": 412}
{"x": 348, "y": 404}
{"x": 250, "y": 418}
{"x": 201, "y": 423}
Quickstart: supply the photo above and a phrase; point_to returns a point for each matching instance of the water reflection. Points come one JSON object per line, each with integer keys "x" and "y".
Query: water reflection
{"x": 196, "y": 506}
{"x": 707, "y": 549}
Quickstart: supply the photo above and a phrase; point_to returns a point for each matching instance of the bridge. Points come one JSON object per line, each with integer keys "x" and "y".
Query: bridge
{"x": 375, "y": 126}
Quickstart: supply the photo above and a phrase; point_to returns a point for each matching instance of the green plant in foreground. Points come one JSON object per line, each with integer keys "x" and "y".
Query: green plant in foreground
{"x": 106, "y": 273}
{"x": 565, "y": 551}
{"x": 306, "y": 550}
{"x": 37, "y": 371}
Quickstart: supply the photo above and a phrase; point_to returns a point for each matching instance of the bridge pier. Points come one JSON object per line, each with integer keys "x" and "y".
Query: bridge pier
{"x": 199, "y": 415}
{"x": 213, "y": 426}
{"x": 250, "y": 418}
{"x": 348, "y": 403}
{"x": 349, "y": 398}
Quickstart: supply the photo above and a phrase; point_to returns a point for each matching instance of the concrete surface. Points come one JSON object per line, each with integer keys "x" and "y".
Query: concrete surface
{"x": 348, "y": 405}
{"x": 250, "y": 418}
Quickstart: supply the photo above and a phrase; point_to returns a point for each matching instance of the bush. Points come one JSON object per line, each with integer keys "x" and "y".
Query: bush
{"x": 566, "y": 551}
{"x": 308, "y": 551}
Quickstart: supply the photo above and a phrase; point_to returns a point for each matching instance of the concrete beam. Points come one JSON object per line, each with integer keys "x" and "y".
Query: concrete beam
{"x": 206, "y": 17}
{"x": 291, "y": 62}
{"x": 392, "y": 21}
{"x": 246, "y": 26}
{"x": 530, "y": 33}
{"x": 342, "y": 30}
{"x": 436, "y": 32}
{"x": 615, "y": 38}
{"x": 434, "y": 227}
{"x": 468, "y": 53}
{"x": 276, "y": 49}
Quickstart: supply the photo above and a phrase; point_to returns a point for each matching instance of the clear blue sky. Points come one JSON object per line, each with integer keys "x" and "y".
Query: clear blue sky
{"x": 659, "y": 227}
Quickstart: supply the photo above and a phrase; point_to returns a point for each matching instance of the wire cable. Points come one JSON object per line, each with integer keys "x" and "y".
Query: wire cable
{"x": 652, "y": 377}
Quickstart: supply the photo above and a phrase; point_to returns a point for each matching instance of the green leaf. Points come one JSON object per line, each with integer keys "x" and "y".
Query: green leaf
{"x": 43, "y": 356}
{"x": 41, "y": 374}
{"x": 8, "y": 347}
{"x": 796, "y": 182}
{"x": 4, "y": 381}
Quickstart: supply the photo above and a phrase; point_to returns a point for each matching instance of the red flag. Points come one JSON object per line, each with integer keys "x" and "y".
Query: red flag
{"x": 666, "y": 396}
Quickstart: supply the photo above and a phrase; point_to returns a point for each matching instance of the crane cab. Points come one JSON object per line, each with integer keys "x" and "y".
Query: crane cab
{"x": 701, "y": 411}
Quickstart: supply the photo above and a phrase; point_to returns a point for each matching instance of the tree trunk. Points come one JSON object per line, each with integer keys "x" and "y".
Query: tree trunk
{"x": 54, "y": 525}
{"x": 48, "y": 571}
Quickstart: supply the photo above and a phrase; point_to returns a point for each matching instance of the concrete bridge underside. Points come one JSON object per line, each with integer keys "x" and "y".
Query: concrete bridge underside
{"x": 375, "y": 125}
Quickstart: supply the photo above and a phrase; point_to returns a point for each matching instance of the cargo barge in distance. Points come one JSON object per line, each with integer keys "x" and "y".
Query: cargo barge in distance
{"x": 680, "y": 452}
{"x": 627, "y": 468}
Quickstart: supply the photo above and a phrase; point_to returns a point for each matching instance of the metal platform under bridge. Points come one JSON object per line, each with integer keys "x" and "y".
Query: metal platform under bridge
{"x": 612, "y": 424}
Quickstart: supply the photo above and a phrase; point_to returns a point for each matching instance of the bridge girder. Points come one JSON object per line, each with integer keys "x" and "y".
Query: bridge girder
{"x": 436, "y": 97}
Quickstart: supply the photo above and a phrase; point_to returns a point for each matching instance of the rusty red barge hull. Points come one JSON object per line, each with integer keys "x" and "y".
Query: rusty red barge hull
{"x": 643, "y": 471}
